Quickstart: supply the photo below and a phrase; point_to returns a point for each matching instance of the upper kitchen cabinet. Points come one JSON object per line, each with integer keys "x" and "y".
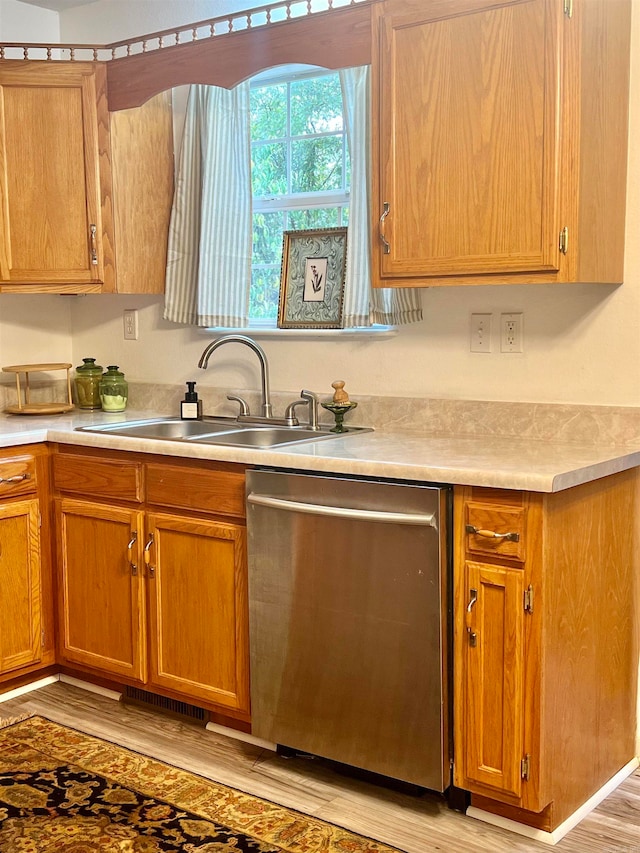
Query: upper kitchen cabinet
{"x": 499, "y": 141}
{"x": 142, "y": 166}
{"x": 55, "y": 178}
{"x": 85, "y": 195}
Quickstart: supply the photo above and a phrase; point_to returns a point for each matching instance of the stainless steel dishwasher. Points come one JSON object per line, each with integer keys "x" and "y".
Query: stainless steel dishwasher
{"x": 348, "y": 609}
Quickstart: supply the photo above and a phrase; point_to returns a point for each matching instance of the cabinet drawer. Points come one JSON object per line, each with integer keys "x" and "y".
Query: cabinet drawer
{"x": 17, "y": 476}
{"x": 201, "y": 490}
{"x": 102, "y": 478}
{"x": 495, "y": 530}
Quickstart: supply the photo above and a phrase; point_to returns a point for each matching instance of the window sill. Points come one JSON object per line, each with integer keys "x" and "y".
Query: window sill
{"x": 377, "y": 332}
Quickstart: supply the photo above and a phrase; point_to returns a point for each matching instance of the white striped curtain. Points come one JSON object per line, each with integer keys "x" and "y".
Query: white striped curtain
{"x": 209, "y": 254}
{"x": 364, "y": 305}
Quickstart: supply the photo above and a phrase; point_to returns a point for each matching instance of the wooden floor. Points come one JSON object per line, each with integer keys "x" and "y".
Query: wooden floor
{"x": 413, "y": 824}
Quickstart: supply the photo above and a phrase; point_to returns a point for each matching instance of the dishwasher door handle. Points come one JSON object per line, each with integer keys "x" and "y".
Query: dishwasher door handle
{"x": 423, "y": 519}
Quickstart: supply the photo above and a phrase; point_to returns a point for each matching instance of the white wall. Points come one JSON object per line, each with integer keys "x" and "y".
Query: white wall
{"x": 581, "y": 341}
{"x": 23, "y": 21}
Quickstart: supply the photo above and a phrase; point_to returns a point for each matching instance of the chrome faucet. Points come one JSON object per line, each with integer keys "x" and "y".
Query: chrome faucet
{"x": 311, "y": 400}
{"x": 266, "y": 407}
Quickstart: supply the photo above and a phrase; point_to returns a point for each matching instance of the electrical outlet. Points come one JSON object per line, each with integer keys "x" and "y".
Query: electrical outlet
{"x": 511, "y": 333}
{"x": 130, "y": 322}
{"x": 480, "y": 333}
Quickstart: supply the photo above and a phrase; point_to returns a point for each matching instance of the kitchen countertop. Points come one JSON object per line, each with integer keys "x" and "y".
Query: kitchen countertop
{"x": 508, "y": 463}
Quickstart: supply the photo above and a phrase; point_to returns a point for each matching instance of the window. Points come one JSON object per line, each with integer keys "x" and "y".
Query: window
{"x": 300, "y": 171}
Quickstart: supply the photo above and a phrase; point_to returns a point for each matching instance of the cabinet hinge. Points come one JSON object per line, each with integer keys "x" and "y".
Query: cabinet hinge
{"x": 525, "y": 767}
{"x": 39, "y": 519}
{"x": 563, "y": 242}
{"x": 42, "y": 639}
{"x": 528, "y": 599}
{"x": 568, "y": 8}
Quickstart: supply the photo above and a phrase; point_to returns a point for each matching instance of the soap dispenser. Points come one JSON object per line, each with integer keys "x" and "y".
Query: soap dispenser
{"x": 191, "y": 406}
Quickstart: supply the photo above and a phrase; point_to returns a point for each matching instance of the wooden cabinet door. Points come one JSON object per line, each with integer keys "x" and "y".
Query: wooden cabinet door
{"x": 102, "y": 607}
{"x": 493, "y": 680}
{"x": 466, "y": 151}
{"x": 198, "y": 609}
{"x": 20, "y": 585}
{"x": 51, "y": 228}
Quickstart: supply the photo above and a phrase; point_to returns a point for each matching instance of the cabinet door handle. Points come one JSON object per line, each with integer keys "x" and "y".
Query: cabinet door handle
{"x": 132, "y": 542}
{"x": 386, "y": 246}
{"x": 94, "y": 246}
{"x": 151, "y": 570}
{"x": 473, "y": 597}
{"x": 490, "y": 534}
{"x": 17, "y": 478}
{"x": 473, "y": 637}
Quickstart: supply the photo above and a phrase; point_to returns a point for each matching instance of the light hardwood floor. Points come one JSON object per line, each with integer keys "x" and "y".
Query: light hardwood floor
{"x": 412, "y": 824}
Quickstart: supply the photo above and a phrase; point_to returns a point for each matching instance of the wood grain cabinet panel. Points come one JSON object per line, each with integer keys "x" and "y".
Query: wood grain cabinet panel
{"x": 102, "y": 595}
{"x": 494, "y": 677}
{"x": 155, "y": 597}
{"x": 27, "y": 633}
{"x": 198, "y": 609}
{"x": 545, "y": 647}
{"x": 494, "y": 130}
{"x": 53, "y": 153}
{"x": 112, "y": 175}
{"x": 199, "y": 489}
{"x": 20, "y": 585}
{"x": 495, "y": 530}
{"x": 118, "y": 479}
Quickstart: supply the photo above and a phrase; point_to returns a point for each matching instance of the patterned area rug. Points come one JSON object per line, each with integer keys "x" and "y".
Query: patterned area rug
{"x": 61, "y": 790}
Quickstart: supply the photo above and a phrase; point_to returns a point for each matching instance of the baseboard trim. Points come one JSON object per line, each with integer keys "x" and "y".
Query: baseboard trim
{"x": 28, "y": 688}
{"x": 91, "y": 688}
{"x": 237, "y": 735}
{"x": 573, "y": 820}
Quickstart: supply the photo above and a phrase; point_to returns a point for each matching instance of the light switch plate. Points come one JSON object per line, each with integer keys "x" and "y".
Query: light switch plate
{"x": 480, "y": 333}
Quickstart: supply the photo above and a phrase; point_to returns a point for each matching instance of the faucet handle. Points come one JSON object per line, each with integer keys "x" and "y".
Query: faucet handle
{"x": 244, "y": 406}
{"x": 312, "y": 400}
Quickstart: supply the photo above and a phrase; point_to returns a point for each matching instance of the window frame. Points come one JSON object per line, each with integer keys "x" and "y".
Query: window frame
{"x": 290, "y": 201}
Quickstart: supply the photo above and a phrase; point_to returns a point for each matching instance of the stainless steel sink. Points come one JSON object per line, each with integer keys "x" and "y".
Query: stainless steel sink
{"x": 265, "y": 436}
{"x": 164, "y": 428}
{"x": 213, "y": 430}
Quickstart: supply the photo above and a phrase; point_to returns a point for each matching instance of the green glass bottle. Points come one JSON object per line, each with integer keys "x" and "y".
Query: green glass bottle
{"x": 87, "y": 384}
{"x": 114, "y": 390}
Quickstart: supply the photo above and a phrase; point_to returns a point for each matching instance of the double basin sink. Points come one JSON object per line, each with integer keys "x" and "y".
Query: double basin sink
{"x": 219, "y": 430}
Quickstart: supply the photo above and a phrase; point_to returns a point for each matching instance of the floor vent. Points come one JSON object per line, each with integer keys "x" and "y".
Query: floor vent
{"x": 172, "y": 706}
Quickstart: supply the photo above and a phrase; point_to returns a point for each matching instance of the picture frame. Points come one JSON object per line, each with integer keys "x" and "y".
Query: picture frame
{"x": 312, "y": 279}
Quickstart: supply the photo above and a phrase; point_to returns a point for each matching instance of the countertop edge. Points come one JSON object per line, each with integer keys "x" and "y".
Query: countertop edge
{"x": 565, "y": 465}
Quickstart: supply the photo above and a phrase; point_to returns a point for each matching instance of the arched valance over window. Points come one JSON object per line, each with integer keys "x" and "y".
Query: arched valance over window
{"x": 339, "y": 38}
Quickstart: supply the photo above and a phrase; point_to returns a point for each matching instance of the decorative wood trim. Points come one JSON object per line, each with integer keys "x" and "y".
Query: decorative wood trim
{"x": 245, "y": 43}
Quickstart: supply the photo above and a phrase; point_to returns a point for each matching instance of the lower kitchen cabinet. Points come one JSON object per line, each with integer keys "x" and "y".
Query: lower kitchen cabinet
{"x": 493, "y": 672}
{"x": 20, "y": 585}
{"x": 101, "y": 587}
{"x": 545, "y": 658}
{"x": 197, "y": 608}
{"x": 157, "y": 598}
{"x": 26, "y": 600}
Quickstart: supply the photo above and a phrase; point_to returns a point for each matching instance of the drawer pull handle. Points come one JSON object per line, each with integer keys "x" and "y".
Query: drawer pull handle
{"x": 490, "y": 534}
{"x": 18, "y": 478}
{"x": 132, "y": 542}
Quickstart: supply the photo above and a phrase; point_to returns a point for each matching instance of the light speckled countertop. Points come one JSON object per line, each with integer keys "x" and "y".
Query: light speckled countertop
{"x": 500, "y": 462}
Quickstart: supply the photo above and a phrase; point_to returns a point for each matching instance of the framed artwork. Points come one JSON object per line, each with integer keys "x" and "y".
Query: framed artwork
{"x": 312, "y": 279}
